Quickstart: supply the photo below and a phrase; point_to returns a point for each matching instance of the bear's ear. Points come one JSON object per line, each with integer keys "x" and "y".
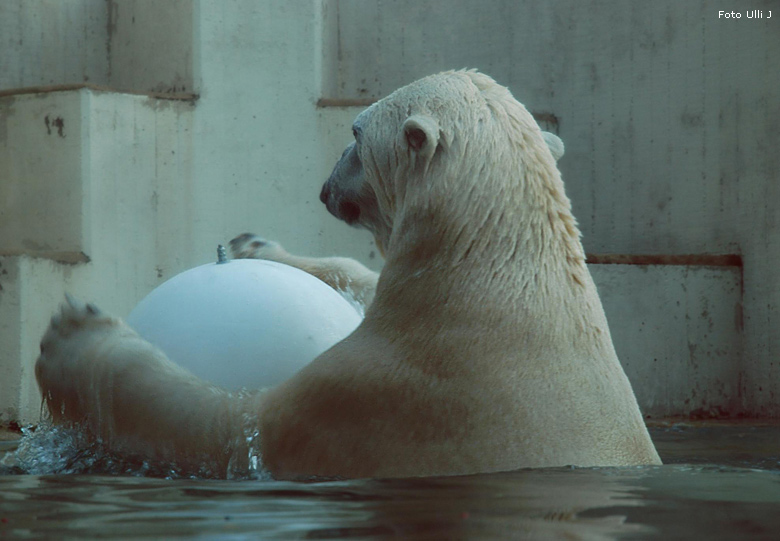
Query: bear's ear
{"x": 555, "y": 145}
{"x": 421, "y": 134}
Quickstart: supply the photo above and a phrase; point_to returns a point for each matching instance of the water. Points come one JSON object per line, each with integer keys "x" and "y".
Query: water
{"x": 720, "y": 481}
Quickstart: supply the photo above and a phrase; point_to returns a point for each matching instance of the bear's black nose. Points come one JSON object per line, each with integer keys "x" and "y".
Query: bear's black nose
{"x": 325, "y": 193}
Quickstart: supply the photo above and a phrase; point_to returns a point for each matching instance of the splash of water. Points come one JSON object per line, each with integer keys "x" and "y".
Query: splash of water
{"x": 55, "y": 450}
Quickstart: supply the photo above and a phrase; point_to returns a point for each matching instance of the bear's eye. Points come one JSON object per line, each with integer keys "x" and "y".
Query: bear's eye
{"x": 355, "y": 133}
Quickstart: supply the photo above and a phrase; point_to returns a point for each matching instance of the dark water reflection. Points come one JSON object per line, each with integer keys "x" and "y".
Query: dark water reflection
{"x": 712, "y": 500}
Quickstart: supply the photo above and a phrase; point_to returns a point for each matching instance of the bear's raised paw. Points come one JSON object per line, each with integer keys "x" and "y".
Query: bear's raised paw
{"x": 250, "y": 246}
{"x": 73, "y": 316}
{"x": 72, "y": 331}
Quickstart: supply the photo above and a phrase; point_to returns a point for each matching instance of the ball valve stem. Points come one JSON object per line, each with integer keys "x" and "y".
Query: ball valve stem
{"x": 221, "y": 254}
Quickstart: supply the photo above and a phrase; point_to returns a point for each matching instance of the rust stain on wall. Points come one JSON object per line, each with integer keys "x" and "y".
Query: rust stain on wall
{"x": 690, "y": 260}
{"x": 58, "y": 123}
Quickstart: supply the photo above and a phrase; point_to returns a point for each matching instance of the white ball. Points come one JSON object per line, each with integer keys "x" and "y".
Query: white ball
{"x": 246, "y": 323}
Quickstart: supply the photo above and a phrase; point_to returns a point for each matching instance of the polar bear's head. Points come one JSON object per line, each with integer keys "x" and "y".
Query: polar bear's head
{"x": 442, "y": 126}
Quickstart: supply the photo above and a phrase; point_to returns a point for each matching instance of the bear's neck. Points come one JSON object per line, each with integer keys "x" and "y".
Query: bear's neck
{"x": 498, "y": 251}
{"x": 508, "y": 257}
{"x": 507, "y": 228}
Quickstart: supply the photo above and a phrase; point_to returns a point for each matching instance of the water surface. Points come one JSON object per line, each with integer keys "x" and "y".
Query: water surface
{"x": 720, "y": 481}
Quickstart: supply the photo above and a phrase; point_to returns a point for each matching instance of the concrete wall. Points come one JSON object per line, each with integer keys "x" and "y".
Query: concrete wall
{"x": 667, "y": 113}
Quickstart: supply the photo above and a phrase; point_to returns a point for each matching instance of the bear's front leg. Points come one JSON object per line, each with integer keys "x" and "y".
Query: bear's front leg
{"x": 96, "y": 372}
{"x": 341, "y": 273}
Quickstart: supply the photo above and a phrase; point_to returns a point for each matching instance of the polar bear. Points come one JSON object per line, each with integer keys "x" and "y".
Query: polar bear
{"x": 484, "y": 345}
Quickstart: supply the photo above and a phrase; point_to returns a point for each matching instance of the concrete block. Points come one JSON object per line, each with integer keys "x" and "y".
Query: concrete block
{"x": 129, "y": 45}
{"x": 50, "y": 42}
{"x": 43, "y": 195}
{"x": 151, "y": 45}
{"x": 678, "y": 333}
